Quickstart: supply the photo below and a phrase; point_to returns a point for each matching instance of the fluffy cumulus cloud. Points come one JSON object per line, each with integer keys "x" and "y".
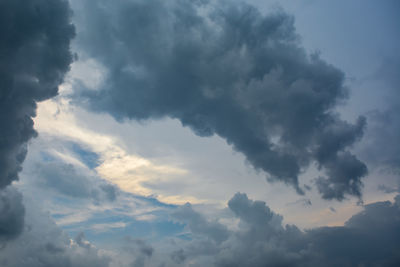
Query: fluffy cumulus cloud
{"x": 34, "y": 56}
{"x": 225, "y": 69}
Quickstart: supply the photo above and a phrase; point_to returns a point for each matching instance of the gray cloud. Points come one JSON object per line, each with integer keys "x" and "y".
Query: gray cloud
{"x": 225, "y": 69}
{"x": 387, "y": 189}
{"x": 34, "y": 56}
{"x": 384, "y": 132}
{"x": 139, "y": 250}
{"x": 306, "y": 202}
{"x": 197, "y": 224}
{"x": 65, "y": 179}
{"x": 178, "y": 256}
{"x": 12, "y": 213}
{"x": 369, "y": 238}
{"x": 44, "y": 244}
{"x": 379, "y": 147}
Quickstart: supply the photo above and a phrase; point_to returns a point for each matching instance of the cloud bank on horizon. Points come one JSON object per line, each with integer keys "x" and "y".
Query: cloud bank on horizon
{"x": 220, "y": 68}
{"x": 259, "y": 239}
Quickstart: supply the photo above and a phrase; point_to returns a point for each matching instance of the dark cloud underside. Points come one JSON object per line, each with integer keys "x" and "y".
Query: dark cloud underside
{"x": 225, "y": 69}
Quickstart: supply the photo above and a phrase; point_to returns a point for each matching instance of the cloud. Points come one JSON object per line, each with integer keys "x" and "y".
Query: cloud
{"x": 66, "y": 136}
{"x": 43, "y": 244}
{"x": 34, "y": 56}
{"x": 197, "y": 224}
{"x": 12, "y": 213}
{"x": 387, "y": 189}
{"x": 141, "y": 251}
{"x": 65, "y": 179}
{"x": 369, "y": 238}
{"x": 383, "y": 131}
{"x": 225, "y": 69}
{"x": 306, "y": 202}
{"x": 257, "y": 238}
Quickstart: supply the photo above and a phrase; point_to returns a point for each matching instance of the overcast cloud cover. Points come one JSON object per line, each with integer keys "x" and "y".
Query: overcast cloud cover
{"x": 85, "y": 197}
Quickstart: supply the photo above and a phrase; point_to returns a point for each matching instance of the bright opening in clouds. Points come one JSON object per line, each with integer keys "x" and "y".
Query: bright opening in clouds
{"x": 199, "y": 133}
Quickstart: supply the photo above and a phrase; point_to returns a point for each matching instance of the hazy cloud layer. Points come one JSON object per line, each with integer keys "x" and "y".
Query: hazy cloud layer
{"x": 66, "y": 180}
{"x": 381, "y": 147}
{"x": 225, "y": 69}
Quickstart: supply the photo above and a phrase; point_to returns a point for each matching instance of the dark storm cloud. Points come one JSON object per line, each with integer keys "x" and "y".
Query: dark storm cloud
{"x": 34, "y": 56}
{"x": 225, "y": 69}
{"x": 369, "y": 238}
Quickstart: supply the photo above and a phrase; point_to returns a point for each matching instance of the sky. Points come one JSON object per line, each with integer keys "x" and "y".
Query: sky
{"x": 199, "y": 133}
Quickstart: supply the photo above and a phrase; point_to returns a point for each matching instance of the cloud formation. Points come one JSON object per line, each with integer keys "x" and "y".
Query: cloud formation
{"x": 225, "y": 69}
{"x": 384, "y": 129}
{"x": 12, "y": 213}
{"x": 66, "y": 180}
{"x": 369, "y": 238}
{"x": 34, "y": 56}
{"x": 258, "y": 238}
{"x": 44, "y": 244}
